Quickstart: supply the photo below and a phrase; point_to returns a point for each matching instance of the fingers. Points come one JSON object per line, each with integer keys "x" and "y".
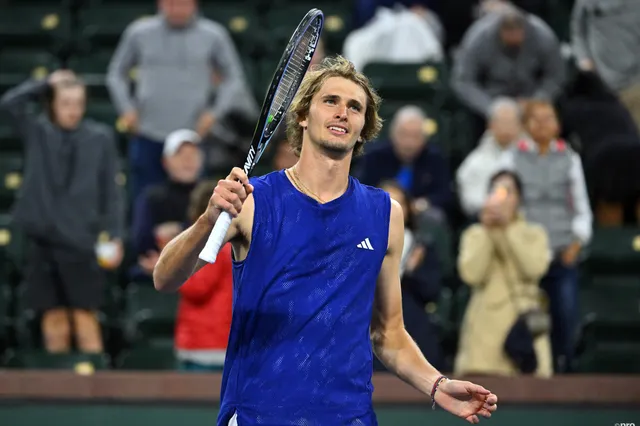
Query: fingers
{"x": 484, "y": 413}
{"x": 492, "y": 399}
{"x": 239, "y": 175}
{"x": 473, "y": 388}
{"x": 473, "y": 419}
{"x": 224, "y": 199}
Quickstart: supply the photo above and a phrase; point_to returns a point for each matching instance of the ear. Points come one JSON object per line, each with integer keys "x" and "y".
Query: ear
{"x": 304, "y": 123}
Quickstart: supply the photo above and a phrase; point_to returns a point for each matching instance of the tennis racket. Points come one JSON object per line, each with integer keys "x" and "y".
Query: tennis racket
{"x": 291, "y": 69}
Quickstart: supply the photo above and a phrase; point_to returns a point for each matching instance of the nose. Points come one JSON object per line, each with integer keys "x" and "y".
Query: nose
{"x": 341, "y": 112}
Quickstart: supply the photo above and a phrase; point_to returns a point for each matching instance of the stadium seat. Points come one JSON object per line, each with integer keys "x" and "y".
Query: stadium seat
{"x": 282, "y": 20}
{"x": 105, "y": 23}
{"x": 9, "y": 138}
{"x": 95, "y": 62}
{"x": 103, "y": 111}
{"x": 22, "y": 63}
{"x": 12, "y": 242}
{"x": 143, "y": 358}
{"x": 238, "y": 18}
{"x": 79, "y": 362}
{"x": 32, "y": 25}
{"x": 610, "y": 358}
{"x": 426, "y": 82}
{"x": 150, "y": 314}
{"x": 10, "y": 178}
{"x": 614, "y": 251}
{"x": 611, "y": 309}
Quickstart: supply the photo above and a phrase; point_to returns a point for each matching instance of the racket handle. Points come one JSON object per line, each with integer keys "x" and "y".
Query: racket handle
{"x": 214, "y": 242}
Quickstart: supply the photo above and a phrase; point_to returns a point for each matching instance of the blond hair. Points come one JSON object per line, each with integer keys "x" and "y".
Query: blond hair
{"x": 336, "y": 66}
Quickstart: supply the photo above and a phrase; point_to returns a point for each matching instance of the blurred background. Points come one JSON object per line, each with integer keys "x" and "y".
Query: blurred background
{"x": 117, "y": 117}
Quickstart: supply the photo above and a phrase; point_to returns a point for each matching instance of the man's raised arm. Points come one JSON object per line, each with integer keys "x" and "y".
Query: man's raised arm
{"x": 179, "y": 259}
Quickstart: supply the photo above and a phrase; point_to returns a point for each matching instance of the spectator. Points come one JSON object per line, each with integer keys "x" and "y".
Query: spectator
{"x": 284, "y": 156}
{"x": 475, "y": 171}
{"x": 176, "y": 54}
{"x": 204, "y": 311}
{"x": 421, "y": 280}
{"x": 396, "y": 35}
{"x": 556, "y": 197}
{"x": 69, "y": 195}
{"x": 160, "y": 213}
{"x": 419, "y": 166}
{"x": 605, "y": 36}
{"x": 502, "y": 259}
{"x": 511, "y": 54}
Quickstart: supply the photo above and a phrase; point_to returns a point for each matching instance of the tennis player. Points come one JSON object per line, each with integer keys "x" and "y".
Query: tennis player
{"x": 316, "y": 275}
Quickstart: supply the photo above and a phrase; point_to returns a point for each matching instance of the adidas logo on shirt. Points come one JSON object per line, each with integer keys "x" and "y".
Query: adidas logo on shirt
{"x": 366, "y": 244}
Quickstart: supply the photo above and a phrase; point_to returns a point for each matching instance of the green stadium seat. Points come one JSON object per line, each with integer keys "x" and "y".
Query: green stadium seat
{"x": 442, "y": 238}
{"x": 12, "y": 242}
{"x": 105, "y": 23}
{"x": 102, "y": 111}
{"x": 239, "y": 18}
{"x": 5, "y": 309}
{"x": 94, "y": 62}
{"x": 9, "y": 138}
{"x": 614, "y": 251}
{"x": 426, "y": 82}
{"x": 10, "y": 178}
{"x": 20, "y": 64}
{"x": 38, "y": 359}
{"x": 610, "y": 358}
{"x": 28, "y": 25}
{"x": 282, "y": 20}
{"x": 147, "y": 358}
{"x": 150, "y": 314}
{"x": 610, "y": 307}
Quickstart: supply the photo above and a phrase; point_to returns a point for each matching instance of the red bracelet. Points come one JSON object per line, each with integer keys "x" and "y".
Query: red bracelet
{"x": 435, "y": 389}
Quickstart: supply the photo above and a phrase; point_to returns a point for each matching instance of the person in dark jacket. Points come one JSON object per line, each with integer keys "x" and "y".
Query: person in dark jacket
{"x": 160, "y": 212}
{"x": 421, "y": 280}
{"x": 68, "y": 198}
{"x": 419, "y": 167}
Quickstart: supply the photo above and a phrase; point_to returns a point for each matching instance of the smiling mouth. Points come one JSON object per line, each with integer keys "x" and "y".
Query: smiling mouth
{"x": 337, "y": 130}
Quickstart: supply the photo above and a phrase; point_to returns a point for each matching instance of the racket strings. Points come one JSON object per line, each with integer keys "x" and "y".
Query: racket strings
{"x": 294, "y": 73}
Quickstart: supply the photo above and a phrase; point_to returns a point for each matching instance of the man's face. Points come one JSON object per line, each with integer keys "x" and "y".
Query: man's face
{"x": 543, "y": 124}
{"x": 505, "y": 126}
{"x": 177, "y": 12}
{"x": 336, "y": 115}
{"x": 184, "y": 166}
{"x": 408, "y": 138}
{"x": 69, "y": 106}
{"x": 512, "y": 38}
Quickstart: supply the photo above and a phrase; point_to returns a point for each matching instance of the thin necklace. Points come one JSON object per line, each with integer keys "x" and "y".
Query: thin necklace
{"x": 301, "y": 186}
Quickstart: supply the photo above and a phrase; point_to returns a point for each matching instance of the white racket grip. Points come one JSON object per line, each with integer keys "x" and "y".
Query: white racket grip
{"x": 214, "y": 242}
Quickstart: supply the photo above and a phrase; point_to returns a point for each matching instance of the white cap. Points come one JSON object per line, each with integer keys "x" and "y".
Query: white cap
{"x": 176, "y": 138}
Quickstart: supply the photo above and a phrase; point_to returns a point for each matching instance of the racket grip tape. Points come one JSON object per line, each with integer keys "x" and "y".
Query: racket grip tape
{"x": 216, "y": 238}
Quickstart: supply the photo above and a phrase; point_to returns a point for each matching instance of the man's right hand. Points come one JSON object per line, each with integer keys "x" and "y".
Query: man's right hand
{"x": 128, "y": 121}
{"x": 229, "y": 195}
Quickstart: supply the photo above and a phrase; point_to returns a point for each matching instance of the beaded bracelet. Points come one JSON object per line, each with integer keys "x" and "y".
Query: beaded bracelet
{"x": 435, "y": 388}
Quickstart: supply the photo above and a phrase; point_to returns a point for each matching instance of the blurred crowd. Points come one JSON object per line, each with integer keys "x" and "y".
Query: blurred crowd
{"x": 523, "y": 201}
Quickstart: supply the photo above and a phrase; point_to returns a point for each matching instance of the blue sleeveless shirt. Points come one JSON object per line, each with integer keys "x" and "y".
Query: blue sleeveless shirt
{"x": 299, "y": 350}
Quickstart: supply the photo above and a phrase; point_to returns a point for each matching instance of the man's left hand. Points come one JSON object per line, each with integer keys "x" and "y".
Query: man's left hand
{"x": 466, "y": 400}
{"x": 570, "y": 254}
{"x": 205, "y": 123}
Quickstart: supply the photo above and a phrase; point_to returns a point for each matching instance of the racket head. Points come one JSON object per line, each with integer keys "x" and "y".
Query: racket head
{"x": 286, "y": 80}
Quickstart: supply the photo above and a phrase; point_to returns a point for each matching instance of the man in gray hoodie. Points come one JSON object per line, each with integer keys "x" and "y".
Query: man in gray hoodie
{"x": 507, "y": 53}
{"x": 177, "y": 55}
{"x": 68, "y": 198}
{"x": 605, "y": 36}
